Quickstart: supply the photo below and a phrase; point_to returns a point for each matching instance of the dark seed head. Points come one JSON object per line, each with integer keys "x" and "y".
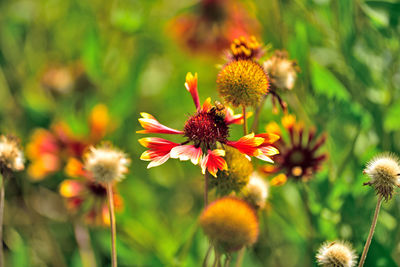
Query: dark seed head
{"x": 207, "y": 128}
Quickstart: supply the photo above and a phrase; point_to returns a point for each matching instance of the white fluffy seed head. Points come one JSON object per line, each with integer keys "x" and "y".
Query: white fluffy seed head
{"x": 336, "y": 254}
{"x": 256, "y": 191}
{"x": 282, "y": 71}
{"x": 11, "y": 156}
{"x": 384, "y": 173}
{"x": 106, "y": 164}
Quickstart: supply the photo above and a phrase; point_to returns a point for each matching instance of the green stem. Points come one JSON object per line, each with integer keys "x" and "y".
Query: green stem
{"x": 112, "y": 225}
{"x": 244, "y": 120}
{"x": 205, "y": 189}
{"x": 205, "y": 261}
{"x": 254, "y": 125}
{"x": 227, "y": 260}
{"x": 85, "y": 248}
{"x": 240, "y": 257}
{"x": 371, "y": 231}
{"x": 217, "y": 258}
{"x": 1, "y": 219}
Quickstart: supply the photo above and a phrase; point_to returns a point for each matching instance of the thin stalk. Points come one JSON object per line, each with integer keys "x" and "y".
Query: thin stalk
{"x": 85, "y": 249}
{"x": 240, "y": 257}
{"x": 244, "y": 120}
{"x": 254, "y": 125}
{"x": 1, "y": 219}
{"x": 227, "y": 260}
{"x": 205, "y": 261}
{"x": 217, "y": 259}
{"x": 205, "y": 189}
{"x": 371, "y": 232}
{"x": 112, "y": 225}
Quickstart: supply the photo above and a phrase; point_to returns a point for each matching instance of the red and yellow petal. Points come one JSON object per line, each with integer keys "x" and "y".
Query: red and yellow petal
{"x": 71, "y": 188}
{"x": 74, "y": 168}
{"x": 214, "y": 162}
{"x": 191, "y": 86}
{"x": 186, "y": 152}
{"x": 99, "y": 120}
{"x": 278, "y": 180}
{"x": 231, "y": 118}
{"x": 207, "y": 105}
{"x": 269, "y": 138}
{"x": 159, "y": 151}
{"x": 151, "y": 125}
{"x": 267, "y": 152}
{"x": 248, "y": 144}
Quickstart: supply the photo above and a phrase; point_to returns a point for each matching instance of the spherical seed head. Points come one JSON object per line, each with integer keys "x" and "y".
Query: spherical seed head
{"x": 11, "y": 156}
{"x": 242, "y": 83}
{"x": 207, "y": 127}
{"x": 237, "y": 175}
{"x": 336, "y": 254}
{"x": 384, "y": 172}
{"x": 230, "y": 223}
{"x": 256, "y": 191}
{"x": 281, "y": 70}
{"x": 106, "y": 164}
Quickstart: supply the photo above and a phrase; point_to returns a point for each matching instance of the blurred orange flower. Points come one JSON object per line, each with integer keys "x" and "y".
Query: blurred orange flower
{"x": 49, "y": 149}
{"x": 211, "y": 25}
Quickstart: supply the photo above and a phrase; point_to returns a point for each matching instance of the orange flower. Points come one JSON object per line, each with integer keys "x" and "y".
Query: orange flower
{"x": 48, "y": 149}
{"x": 207, "y": 130}
{"x": 211, "y": 25}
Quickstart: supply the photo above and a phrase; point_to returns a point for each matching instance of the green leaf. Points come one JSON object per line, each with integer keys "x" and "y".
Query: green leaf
{"x": 325, "y": 83}
{"x": 391, "y": 121}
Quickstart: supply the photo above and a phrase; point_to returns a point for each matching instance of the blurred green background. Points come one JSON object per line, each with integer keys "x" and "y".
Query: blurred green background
{"x": 348, "y": 87}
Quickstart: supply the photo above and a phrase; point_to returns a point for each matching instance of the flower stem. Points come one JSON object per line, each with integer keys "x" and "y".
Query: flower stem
{"x": 205, "y": 189}
{"x": 254, "y": 126}
{"x": 1, "y": 219}
{"x": 112, "y": 225}
{"x": 217, "y": 259}
{"x": 205, "y": 261}
{"x": 227, "y": 260}
{"x": 244, "y": 120}
{"x": 371, "y": 232}
{"x": 85, "y": 249}
{"x": 240, "y": 257}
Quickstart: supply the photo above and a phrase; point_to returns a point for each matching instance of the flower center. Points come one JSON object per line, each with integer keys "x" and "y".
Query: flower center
{"x": 97, "y": 189}
{"x": 206, "y": 128}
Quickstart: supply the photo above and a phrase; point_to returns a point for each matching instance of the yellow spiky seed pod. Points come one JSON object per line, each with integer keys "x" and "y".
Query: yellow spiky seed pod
{"x": 336, "y": 254}
{"x": 242, "y": 83}
{"x": 237, "y": 175}
{"x": 230, "y": 223}
{"x": 384, "y": 172}
{"x": 106, "y": 164}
